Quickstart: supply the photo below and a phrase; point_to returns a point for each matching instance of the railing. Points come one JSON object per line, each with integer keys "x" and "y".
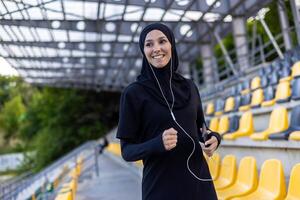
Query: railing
{"x": 30, "y": 186}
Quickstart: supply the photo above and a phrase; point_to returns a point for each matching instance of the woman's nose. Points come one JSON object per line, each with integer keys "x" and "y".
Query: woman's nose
{"x": 156, "y": 49}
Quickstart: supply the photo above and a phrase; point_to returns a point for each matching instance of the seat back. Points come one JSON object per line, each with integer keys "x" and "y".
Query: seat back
{"x": 234, "y": 123}
{"x": 257, "y": 97}
{"x": 246, "y": 122}
{"x": 245, "y": 99}
{"x": 223, "y": 125}
{"x": 278, "y": 120}
{"x": 264, "y": 82}
{"x": 285, "y": 72}
{"x": 219, "y": 106}
{"x": 229, "y": 104}
{"x": 296, "y": 89}
{"x": 294, "y": 183}
{"x": 295, "y": 116}
{"x": 269, "y": 93}
{"x": 214, "y": 124}
{"x": 271, "y": 178}
{"x": 210, "y": 108}
{"x": 247, "y": 173}
{"x": 296, "y": 69}
{"x": 255, "y": 83}
{"x": 237, "y": 103}
{"x": 228, "y": 168}
{"x": 274, "y": 78}
{"x": 214, "y": 163}
{"x": 283, "y": 91}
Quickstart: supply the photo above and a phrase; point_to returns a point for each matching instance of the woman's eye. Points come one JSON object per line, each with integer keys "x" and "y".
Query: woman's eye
{"x": 148, "y": 44}
{"x": 163, "y": 41}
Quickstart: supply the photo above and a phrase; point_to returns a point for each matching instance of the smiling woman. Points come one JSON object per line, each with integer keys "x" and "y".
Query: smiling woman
{"x": 6, "y": 69}
{"x": 160, "y": 120}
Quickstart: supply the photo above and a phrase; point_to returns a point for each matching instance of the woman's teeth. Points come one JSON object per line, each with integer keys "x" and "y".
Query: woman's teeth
{"x": 158, "y": 56}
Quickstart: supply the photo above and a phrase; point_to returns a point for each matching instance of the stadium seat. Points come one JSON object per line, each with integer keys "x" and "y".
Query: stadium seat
{"x": 214, "y": 163}
{"x": 295, "y": 136}
{"x": 271, "y": 184}
{"x": 246, "y": 127}
{"x": 237, "y": 102}
{"x": 283, "y": 92}
{"x": 210, "y": 109}
{"x": 234, "y": 124}
{"x": 214, "y": 124}
{"x": 274, "y": 78}
{"x": 269, "y": 97}
{"x": 296, "y": 69}
{"x": 285, "y": 74}
{"x": 227, "y": 173}
{"x": 296, "y": 89}
{"x": 257, "y": 98}
{"x": 294, "y": 183}
{"x": 223, "y": 125}
{"x": 264, "y": 81}
{"x": 294, "y": 126}
{"x": 246, "y": 87}
{"x": 255, "y": 83}
{"x": 245, "y": 102}
{"x": 219, "y": 107}
{"x": 278, "y": 123}
{"x": 246, "y": 181}
{"x": 229, "y": 104}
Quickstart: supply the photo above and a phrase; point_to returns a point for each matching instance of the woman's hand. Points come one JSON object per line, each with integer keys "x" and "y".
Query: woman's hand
{"x": 213, "y": 142}
{"x": 169, "y": 138}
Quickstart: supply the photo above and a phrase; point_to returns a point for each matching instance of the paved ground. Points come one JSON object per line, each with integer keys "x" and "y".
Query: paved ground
{"x": 115, "y": 182}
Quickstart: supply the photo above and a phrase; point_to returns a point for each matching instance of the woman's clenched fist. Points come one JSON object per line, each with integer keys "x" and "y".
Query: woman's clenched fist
{"x": 169, "y": 138}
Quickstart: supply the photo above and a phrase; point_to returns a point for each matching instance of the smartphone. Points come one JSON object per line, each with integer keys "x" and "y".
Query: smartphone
{"x": 206, "y": 136}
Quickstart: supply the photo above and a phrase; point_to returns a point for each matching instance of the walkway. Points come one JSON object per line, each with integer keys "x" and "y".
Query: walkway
{"x": 116, "y": 181}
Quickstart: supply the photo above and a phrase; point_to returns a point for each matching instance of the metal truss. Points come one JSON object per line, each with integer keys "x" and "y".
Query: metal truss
{"x": 93, "y": 44}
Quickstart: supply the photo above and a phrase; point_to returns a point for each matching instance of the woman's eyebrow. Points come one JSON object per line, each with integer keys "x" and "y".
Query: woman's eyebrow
{"x": 150, "y": 40}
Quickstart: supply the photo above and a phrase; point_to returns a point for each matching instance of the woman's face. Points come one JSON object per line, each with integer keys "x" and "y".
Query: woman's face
{"x": 157, "y": 49}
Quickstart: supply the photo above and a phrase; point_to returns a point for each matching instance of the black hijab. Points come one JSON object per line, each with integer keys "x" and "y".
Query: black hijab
{"x": 180, "y": 86}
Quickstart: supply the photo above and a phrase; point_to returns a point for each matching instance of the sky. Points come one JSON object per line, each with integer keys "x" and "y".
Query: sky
{"x": 6, "y": 69}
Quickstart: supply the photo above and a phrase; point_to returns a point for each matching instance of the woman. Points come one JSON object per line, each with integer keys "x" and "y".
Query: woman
{"x": 160, "y": 120}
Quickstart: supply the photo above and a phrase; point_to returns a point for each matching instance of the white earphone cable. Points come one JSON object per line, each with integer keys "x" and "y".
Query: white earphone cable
{"x": 173, "y": 117}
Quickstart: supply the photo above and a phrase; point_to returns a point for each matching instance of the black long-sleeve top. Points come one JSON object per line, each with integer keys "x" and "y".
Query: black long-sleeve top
{"x": 142, "y": 122}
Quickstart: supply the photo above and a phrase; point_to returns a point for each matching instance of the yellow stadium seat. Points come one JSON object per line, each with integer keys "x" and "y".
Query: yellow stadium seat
{"x": 229, "y": 104}
{"x": 283, "y": 92}
{"x": 223, "y": 125}
{"x": 246, "y": 181}
{"x": 294, "y": 183}
{"x": 210, "y": 109}
{"x": 114, "y": 148}
{"x": 257, "y": 98}
{"x": 227, "y": 173}
{"x": 246, "y": 127}
{"x": 245, "y": 91}
{"x": 255, "y": 83}
{"x": 278, "y": 123}
{"x": 271, "y": 184}
{"x": 296, "y": 69}
{"x": 214, "y": 163}
{"x": 268, "y": 103}
{"x": 214, "y": 124}
{"x": 295, "y": 136}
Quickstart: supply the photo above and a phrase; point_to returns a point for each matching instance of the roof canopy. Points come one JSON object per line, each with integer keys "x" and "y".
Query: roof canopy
{"x": 93, "y": 44}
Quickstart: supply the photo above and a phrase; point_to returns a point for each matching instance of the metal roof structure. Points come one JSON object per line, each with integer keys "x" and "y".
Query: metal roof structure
{"x": 93, "y": 44}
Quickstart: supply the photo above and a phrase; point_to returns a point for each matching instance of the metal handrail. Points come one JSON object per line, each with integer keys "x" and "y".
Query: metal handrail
{"x": 12, "y": 189}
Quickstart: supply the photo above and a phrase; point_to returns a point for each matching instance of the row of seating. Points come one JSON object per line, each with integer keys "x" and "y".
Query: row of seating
{"x": 285, "y": 91}
{"x": 242, "y": 182}
{"x": 280, "y": 66}
{"x": 68, "y": 190}
{"x": 260, "y": 94}
{"x": 279, "y": 127}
